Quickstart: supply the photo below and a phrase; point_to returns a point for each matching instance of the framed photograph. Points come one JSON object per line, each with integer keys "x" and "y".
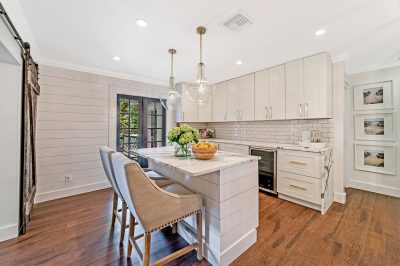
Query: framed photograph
{"x": 377, "y": 126}
{"x": 373, "y": 158}
{"x": 373, "y": 96}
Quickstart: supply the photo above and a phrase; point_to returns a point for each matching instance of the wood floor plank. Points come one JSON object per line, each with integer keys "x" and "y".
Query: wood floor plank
{"x": 77, "y": 231}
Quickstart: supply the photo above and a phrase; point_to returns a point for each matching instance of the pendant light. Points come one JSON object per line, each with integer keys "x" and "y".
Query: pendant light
{"x": 200, "y": 90}
{"x": 173, "y": 95}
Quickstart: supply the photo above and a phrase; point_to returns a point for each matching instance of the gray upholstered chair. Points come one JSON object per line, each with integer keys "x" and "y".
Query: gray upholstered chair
{"x": 155, "y": 208}
{"x": 159, "y": 180}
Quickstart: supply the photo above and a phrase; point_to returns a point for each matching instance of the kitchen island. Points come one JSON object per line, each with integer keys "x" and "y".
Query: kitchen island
{"x": 229, "y": 185}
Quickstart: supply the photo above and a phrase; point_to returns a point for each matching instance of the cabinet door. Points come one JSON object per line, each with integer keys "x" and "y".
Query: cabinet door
{"x": 219, "y": 102}
{"x": 205, "y": 111}
{"x": 261, "y": 90}
{"x": 190, "y": 109}
{"x": 246, "y": 98}
{"x": 318, "y": 86}
{"x": 294, "y": 72}
{"x": 232, "y": 103}
{"x": 277, "y": 93}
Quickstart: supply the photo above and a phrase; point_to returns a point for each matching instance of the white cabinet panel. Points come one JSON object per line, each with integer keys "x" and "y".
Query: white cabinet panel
{"x": 190, "y": 110}
{"x": 205, "y": 111}
{"x": 236, "y": 148}
{"x": 219, "y": 102}
{"x": 294, "y": 89}
{"x": 232, "y": 104}
{"x": 261, "y": 95}
{"x": 277, "y": 95}
{"x": 317, "y": 86}
{"x": 246, "y": 98}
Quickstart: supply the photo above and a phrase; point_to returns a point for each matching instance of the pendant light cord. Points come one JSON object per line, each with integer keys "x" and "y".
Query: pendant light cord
{"x": 201, "y": 48}
{"x": 172, "y": 64}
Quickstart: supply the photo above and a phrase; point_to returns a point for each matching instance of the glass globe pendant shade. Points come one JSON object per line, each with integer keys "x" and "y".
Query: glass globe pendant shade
{"x": 200, "y": 90}
{"x": 173, "y": 96}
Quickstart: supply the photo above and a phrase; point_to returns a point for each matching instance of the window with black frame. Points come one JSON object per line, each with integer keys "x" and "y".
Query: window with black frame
{"x": 141, "y": 123}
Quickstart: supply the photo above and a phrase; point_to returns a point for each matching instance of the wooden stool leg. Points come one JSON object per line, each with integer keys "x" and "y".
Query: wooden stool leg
{"x": 114, "y": 209}
{"x": 146, "y": 258}
{"x": 131, "y": 234}
{"x": 123, "y": 221}
{"x": 199, "y": 220}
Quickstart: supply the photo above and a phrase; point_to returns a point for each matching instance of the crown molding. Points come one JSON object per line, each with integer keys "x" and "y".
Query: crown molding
{"x": 353, "y": 71}
{"x": 99, "y": 71}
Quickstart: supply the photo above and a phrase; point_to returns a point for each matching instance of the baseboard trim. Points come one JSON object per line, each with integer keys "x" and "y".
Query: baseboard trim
{"x": 390, "y": 191}
{"x": 339, "y": 197}
{"x": 62, "y": 193}
{"x": 8, "y": 232}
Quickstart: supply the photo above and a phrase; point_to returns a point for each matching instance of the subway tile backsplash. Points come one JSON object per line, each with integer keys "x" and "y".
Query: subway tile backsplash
{"x": 286, "y": 131}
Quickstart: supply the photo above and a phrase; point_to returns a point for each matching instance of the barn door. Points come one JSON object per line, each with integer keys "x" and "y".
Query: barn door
{"x": 31, "y": 90}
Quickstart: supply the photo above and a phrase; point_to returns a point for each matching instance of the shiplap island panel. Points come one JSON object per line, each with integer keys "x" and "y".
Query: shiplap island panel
{"x": 229, "y": 185}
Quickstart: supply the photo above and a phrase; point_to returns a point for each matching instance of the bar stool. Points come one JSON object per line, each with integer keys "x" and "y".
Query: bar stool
{"x": 155, "y": 208}
{"x": 159, "y": 180}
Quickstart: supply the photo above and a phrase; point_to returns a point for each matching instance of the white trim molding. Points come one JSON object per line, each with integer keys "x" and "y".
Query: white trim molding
{"x": 62, "y": 193}
{"x": 339, "y": 197}
{"x": 390, "y": 191}
{"x": 8, "y": 232}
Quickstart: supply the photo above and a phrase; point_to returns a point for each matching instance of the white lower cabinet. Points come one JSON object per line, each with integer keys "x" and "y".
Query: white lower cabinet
{"x": 302, "y": 179}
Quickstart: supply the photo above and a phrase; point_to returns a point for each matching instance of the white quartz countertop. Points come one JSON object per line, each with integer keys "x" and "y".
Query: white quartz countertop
{"x": 192, "y": 166}
{"x": 254, "y": 144}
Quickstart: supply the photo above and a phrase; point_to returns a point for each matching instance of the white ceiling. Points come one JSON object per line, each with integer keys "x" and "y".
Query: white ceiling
{"x": 87, "y": 34}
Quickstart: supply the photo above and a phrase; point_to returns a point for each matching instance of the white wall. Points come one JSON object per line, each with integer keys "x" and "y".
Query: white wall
{"x": 77, "y": 114}
{"x": 380, "y": 183}
{"x": 10, "y": 132}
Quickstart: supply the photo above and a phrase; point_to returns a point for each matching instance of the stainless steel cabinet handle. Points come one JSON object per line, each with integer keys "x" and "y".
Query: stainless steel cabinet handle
{"x": 183, "y": 116}
{"x": 270, "y": 112}
{"x": 299, "y": 187}
{"x": 298, "y": 162}
{"x": 266, "y": 112}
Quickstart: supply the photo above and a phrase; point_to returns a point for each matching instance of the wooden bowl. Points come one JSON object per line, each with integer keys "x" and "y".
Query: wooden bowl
{"x": 204, "y": 153}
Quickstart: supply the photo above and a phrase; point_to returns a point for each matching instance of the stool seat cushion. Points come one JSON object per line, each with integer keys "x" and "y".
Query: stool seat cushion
{"x": 177, "y": 189}
{"x": 158, "y": 179}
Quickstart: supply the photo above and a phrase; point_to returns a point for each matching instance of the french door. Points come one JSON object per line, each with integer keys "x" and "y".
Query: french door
{"x": 141, "y": 123}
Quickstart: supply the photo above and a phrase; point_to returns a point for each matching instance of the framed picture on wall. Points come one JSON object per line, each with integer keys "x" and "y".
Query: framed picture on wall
{"x": 376, "y": 126}
{"x": 373, "y": 96}
{"x": 374, "y": 158}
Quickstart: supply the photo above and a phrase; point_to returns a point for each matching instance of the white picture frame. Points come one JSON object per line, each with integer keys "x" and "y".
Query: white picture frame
{"x": 378, "y": 126}
{"x": 375, "y": 158}
{"x": 373, "y": 96}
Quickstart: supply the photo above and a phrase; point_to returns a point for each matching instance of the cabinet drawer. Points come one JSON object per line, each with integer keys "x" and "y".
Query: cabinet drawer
{"x": 236, "y": 148}
{"x": 300, "y": 187}
{"x": 299, "y": 162}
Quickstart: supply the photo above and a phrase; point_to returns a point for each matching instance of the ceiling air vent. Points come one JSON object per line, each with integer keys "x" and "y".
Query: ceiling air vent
{"x": 237, "y": 22}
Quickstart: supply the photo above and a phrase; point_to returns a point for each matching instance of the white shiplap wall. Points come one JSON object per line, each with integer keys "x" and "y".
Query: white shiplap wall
{"x": 73, "y": 121}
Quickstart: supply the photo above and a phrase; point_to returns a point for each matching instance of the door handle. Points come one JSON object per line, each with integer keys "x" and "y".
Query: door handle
{"x": 299, "y": 187}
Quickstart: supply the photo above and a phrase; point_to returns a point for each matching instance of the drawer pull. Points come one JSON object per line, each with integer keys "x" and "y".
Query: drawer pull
{"x": 303, "y": 188}
{"x": 297, "y": 162}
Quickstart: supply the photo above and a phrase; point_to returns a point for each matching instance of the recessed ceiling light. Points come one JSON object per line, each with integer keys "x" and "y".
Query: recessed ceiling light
{"x": 320, "y": 32}
{"x": 141, "y": 23}
{"x": 116, "y": 58}
{"x": 239, "y": 62}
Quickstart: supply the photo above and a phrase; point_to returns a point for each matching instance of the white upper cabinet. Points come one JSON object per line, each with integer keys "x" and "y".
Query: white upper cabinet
{"x": 318, "y": 86}
{"x": 309, "y": 87}
{"x": 294, "y": 72}
{"x": 219, "y": 102}
{"x": 232, "y": 100}
{"x": 246, "y": 98}
{"x": 270, "y": 94}
{"x": 205, "y": 111}
{"x": 190, "y": 110}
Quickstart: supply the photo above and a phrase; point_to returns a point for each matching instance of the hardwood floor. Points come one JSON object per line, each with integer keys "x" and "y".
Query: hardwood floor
{"x": 77, "y": 231}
